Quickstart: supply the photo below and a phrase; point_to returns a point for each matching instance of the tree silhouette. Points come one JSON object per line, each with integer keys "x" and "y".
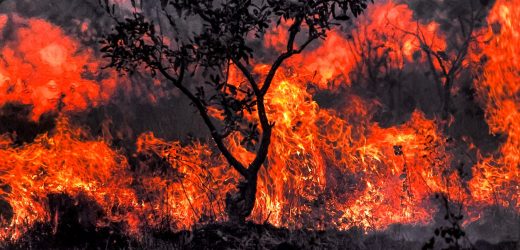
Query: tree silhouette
{"x": 447, "y": 67}
{"x": 222, "y": 35}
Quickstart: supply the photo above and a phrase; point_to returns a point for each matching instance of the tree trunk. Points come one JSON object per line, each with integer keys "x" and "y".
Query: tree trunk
{"x": 446, "y": 99}
{"x": 240, "y": 203}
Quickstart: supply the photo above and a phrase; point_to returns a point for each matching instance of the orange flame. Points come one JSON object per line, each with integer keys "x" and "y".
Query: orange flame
{"x": 497, "y": 178}
{"x": 63, "y": 162}
{"x": 386, "y": 29}
{"x": 327, "y": 167}
{"x": 44, "y": 67}
{"x": 194, "y": 192}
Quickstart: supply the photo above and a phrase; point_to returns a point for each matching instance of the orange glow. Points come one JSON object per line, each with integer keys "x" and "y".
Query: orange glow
{"x": 497, "y": 177}
{"x": 62, "y": 162}
{"x": 310, "y": 143}
{"x": 3, "y": 21}
{"x": 382, "y": 31}
{"x": 44, "y": 68}
{"x": 196, "y": 189}
{"x": 327, "y": 167}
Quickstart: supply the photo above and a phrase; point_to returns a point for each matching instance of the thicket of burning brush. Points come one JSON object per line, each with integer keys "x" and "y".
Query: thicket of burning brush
{"x": 362, "y": 137}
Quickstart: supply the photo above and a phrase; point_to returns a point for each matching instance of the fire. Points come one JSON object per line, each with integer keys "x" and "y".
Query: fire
{"x": 193, "y": 190}
{"x": 497, "y": 177}
{"x": 312, "y": 146}
{"x": 385, "y": 30}
{"x": 403, "y": 167}
{"x": 3, "y": 21}
{"x": 327, "y": 167}
{"x": 65, "y": 161}
{"x": 43, "y": 67}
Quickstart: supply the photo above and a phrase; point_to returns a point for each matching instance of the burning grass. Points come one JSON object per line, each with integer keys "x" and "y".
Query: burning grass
{"x": 336, "y": 177}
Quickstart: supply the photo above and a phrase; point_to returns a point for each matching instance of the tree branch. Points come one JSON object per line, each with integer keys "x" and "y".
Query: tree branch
{"x": 248, "y": 75}
{"x": 205, "y": 116}
{"x": 290, "y": 52}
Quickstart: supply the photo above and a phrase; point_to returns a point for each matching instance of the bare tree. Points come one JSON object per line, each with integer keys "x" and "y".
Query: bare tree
{"x": 378, "y": 63}
{"x": 446, "y": 65}
{"x": 224, "y": 28}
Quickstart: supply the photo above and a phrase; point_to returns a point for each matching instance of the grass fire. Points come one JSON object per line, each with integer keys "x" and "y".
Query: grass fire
{"x": 260, "y": 124}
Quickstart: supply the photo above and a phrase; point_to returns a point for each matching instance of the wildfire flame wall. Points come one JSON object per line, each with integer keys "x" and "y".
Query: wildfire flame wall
{"x": 359, "y": 140}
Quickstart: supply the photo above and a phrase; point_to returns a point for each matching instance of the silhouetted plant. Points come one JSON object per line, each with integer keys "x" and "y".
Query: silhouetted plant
{"x": 154, "y": 42}
{"x": 452, "y": 234}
